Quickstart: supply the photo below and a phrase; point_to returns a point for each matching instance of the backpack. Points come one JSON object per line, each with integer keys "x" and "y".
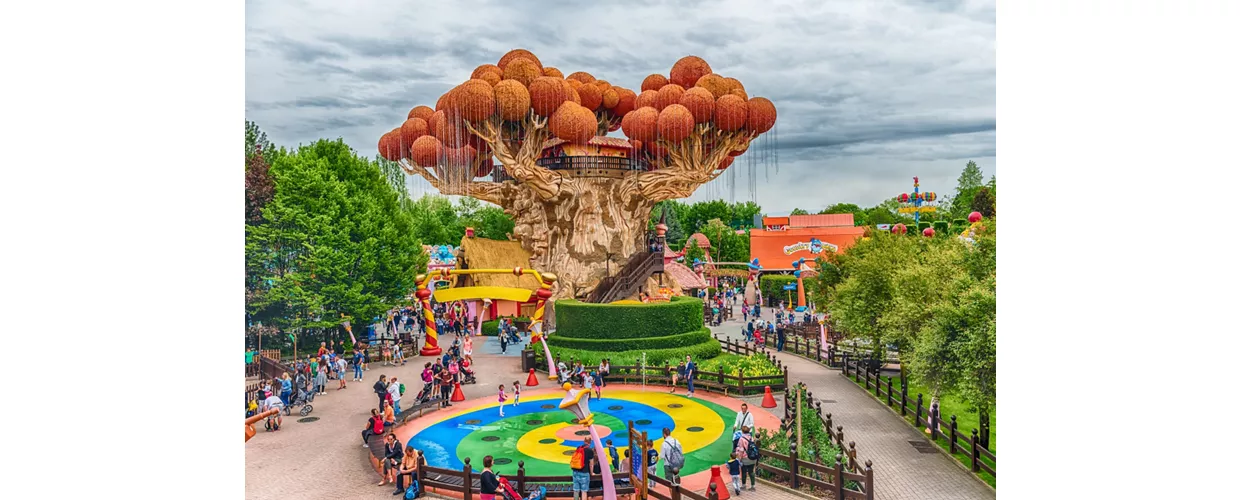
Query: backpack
{"x": 579, "y": 458}
{"x": 402, "y": 389}
{"x": 676, "y": 456}
{"x": 412, "y": 491}
{"x": 751, "y": 451}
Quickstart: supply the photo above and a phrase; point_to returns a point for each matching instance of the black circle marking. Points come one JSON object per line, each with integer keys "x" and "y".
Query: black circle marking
{"x": 546, "y": 441}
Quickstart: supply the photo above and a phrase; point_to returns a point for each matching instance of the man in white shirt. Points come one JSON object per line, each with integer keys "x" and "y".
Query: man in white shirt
{"x": 666, "y": 453}
{"x": 743, "y": 419}
{"x": 394, "y": 391}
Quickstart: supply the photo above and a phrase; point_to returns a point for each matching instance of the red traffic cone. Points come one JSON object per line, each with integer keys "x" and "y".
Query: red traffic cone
{"x": 457, "y": 395}
{"x": 768, "y": 400}
{"x": 532, "y": 381}
{"x": 721, "y": 488}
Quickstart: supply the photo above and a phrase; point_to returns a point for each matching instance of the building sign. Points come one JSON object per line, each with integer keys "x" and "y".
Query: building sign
{"x": 909, "y": 210}
{"x": 814, "y": 246}
{"x": 790, "y": 286}
{"x": 441, "y": 257}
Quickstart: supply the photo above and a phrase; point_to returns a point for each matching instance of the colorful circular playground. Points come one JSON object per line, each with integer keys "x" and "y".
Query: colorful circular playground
{"x": 543, "y": 437}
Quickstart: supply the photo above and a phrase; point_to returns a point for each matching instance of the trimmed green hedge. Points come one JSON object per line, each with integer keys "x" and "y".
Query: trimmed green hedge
{"x": 940, "y": 226}
{"x": 580, "y": 320}
{"x": 490, "y": 328}
{"x": 702, "y": 351}
{"x": 921, "y": 226}
{"x": 667, "y": 342}
{"x": 772, "y": 286}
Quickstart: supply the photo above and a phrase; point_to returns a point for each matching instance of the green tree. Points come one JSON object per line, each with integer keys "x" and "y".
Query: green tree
{"x": 860, "y": 216}
{"x": 435, "y": 221}
{"x": 693, "y": 252}
{"x": 337, "y": 241}
{"x": 984, "y": 202}
{"x": 675, "y": 230}
{"x": 967, "y": 186}
{"x": 970, "y": 177}
{"x": 799, "y": 211}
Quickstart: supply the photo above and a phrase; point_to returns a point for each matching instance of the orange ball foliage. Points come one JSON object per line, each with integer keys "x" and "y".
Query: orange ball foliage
{"x": 573, "y": 123}
{"x": 473, "y": 100}
{"x": 553, "y": 72}
{"x": 628, "y": 102}
{"x": 731, "y": 112}
{"x": 547, "y": 94}
{"x": 463, "y": 155}
{"x": 575, "y": 84}
{"x": 591, "y": 96}
{"x": 443, "y": 100}
{"x": 714, "y": 83}
{"x": 491, "y": 77}
{"x": 726, "y": 162}
{"x": 519, "y": 54}
{"x": 610, "y": 98}
{"x": 573, "y": 95}
{"x": 688, "y": 70}
{"x": 581, "y": 76}
{"x": 700, "y": 102}
{"x": 522, "y": 70}
{"x": 411, "y": 130}
{"x": 733, "y": 83}
{"x": 385, "y": 147}
{"x": 512, "y": 100}
{"x": 477, "y": 74}
{"x": 641, "y": 124}
{"x": 423, "y": 112}
{"x": 675, "y": 123}
{"x": 668, "y": 95}
{"x": 647, "y": 98}
{"x": 637, "y": 145}
{"x": 437, "y": 123}
{"x": 655, "y": 150}
{"x": 739, "y": 92}
{"x": 761, "y": 115}
{"x": 654, "y": 82}
{"x": 426, "y": 151}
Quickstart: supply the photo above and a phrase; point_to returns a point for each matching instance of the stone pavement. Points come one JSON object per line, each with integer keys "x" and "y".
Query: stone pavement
{"x": 900, "y": 471}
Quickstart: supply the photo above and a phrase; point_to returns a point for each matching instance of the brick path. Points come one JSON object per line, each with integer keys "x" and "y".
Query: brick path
{"x": 900, "y": 471}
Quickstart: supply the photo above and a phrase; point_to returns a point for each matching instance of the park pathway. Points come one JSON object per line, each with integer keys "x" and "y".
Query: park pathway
{"x": 900, "y": 471}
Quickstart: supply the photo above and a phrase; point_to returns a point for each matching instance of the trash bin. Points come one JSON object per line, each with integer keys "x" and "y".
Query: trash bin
{"x": 527, "y": 360}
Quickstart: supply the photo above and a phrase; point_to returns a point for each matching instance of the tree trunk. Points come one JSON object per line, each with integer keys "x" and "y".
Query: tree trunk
{"x": 572, "y": 233}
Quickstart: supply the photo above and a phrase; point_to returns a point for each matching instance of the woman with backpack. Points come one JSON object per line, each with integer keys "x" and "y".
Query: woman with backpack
{"x": 747, "y": 450}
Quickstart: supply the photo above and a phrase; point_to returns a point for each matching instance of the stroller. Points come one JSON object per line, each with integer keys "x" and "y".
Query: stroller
{"x": 303, "y": 400}
{"x": 426, "y": 394}
{"x": 509, "y": 493}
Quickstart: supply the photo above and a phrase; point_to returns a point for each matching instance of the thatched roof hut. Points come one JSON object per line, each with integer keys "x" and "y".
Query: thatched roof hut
{"x": 482, "y": 253}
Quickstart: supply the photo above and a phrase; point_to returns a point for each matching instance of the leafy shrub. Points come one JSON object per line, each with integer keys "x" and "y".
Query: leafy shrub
{"x": 704, "y": 350}
{"x": 940, "y": 227}
{"x": 921, "y": 226}
{"x": 581, "y": 320}
{"x": 754, "y": 365}
{"x": 772, "y": 285}
{"x": 622, "y": 344}
{"x": 490, "y": 328}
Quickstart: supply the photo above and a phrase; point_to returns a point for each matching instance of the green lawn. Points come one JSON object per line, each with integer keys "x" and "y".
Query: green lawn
{"x": 966, "y": 420}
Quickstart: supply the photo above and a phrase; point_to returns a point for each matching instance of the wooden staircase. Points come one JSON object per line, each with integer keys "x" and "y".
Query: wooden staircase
{"x": 629, "y": 279}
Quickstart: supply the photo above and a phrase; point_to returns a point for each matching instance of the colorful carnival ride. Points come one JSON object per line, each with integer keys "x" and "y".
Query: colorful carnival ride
{"x": 525, "y": 137}
{"x": 917, "y": 203}
{"x": 454, "y": 294}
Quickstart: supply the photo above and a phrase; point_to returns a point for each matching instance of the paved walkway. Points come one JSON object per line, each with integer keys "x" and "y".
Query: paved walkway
{"x": 900, "y": 471}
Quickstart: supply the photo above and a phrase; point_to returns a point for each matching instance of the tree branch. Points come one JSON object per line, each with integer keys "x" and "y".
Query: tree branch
{"x": 521, "y": 164}
{"x": 490, "y": 192}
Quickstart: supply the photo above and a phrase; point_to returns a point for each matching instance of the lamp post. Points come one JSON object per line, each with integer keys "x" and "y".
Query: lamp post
{"x": 577, "y": 401}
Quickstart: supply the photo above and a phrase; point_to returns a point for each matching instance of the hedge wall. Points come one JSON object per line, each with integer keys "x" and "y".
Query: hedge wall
{"x": 667, "y": 342}
{"x": 580, "y": 320}
{"x": 940, "y": 226}
{"x": 702, "y": 351}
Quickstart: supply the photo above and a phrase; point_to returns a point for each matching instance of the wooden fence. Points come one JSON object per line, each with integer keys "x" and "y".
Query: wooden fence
{"x": 727, "y": 384}
{"x": 810, "y": 349}
{"x": 821, "y": 476}
{"x": 970, "y": 445}
{"x": 847, "y": 459}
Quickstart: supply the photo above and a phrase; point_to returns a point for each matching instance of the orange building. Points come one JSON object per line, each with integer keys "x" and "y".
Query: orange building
{"x": 786, "y": 239}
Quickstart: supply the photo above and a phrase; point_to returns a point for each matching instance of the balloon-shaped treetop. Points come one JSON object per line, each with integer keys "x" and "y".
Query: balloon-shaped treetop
{"x": 522, "y": 135}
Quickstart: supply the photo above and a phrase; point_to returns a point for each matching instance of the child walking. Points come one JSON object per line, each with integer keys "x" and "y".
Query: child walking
{"x": 502, "y": 397}
{"x": 734, "y": 470}
{"x": 516, "y": 393}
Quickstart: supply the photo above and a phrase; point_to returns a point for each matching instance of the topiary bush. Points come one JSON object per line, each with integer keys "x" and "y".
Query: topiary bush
{"x": 580, "y": 320}
{"x": 667, "y": 342}
{"x": 702, "y": 351}
{"x": 940, "y": 227}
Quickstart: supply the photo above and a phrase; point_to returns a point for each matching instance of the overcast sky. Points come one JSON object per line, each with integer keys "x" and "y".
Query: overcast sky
{"x": 869, "y": 92}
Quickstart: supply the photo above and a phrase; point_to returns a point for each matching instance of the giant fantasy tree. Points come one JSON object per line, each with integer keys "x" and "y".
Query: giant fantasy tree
{"x": 490, "y": 138}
